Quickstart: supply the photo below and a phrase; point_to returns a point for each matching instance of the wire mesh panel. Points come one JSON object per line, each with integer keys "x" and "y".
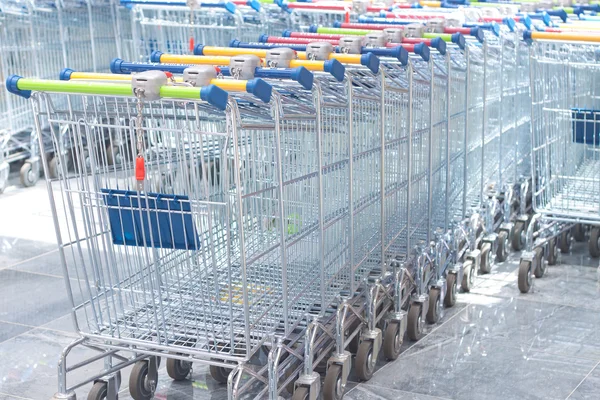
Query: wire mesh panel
{"x": 509, "y": 119}
{"x": 173, "y": 28}
{"x": 523, "y": 113}
{"x": 565, "y": 126}
{"x": 457, "y": 124}
{"x": 492, "y": 112}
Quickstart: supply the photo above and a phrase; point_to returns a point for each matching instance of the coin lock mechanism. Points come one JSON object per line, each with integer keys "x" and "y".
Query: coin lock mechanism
{"x": 319, "y": 51}
{"x": 394, "y": 35}
{"x": 414, "y": 30}
{"x": 280, "y": 57}
{"x": 200, "y": 75}
{"x": 435, "y": 26}
{"x": 376, "y": 39}
{"x": 244, "y": 67}
{"x": 148, "y": 83}
{"x": 351, "y": 44}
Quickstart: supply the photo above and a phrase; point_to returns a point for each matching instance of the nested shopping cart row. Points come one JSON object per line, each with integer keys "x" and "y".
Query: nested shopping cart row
{"x": 39, "y": 38}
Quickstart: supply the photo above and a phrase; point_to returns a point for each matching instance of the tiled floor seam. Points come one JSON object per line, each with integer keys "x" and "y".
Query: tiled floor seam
{"x": 367, "y": 384}
{"x": 12, "y": 396}
{"x": 31, "y": 329}
{"x": 581, "y": 382}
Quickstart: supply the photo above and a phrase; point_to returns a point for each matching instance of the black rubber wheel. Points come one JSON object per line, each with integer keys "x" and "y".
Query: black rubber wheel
{"x": 301, "y": 393}
{"x": 415, "y": 323}
{"x": 392, "y": 340}
{"x": 27, "y": 175}
{"x": 579, "y": 233}
{"x": 540, "y": 263}
{"x": 365, "y": 360}
{"x": 178, "y": 370}
{"x": 99, "y": 391}
{"x": 435, "y": 303}
{"x": 502, "y": 250}
{"x": 524, "y": 276}
{"x": 565, "y": 242}
{"x": 333, "y": 388}
{"x": 518, "y": 236}
{"x": 139, "y": 387}
{"x": 450, "y": 298}
{"x": 468, "y": 276}
{"x": 219, "y": 374}
{"x": 594, "y": 244}
{"x": 552, "y": 252}
{"x": 485, "y": 266}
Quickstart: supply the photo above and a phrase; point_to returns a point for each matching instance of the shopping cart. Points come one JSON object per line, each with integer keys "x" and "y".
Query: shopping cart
{"x": 564, "y": 149}
{"x": 174, "y": 26}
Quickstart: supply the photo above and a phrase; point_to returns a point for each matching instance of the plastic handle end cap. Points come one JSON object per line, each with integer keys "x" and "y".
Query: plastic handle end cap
{"x": 370, "y": 61}
{"x": 156, "y": 54}
{"x": 215, "y": 96}
{"x": 65, "y": 74}
{"x": 304, "y": 77}
{"x": 115, "y": 66}
{"x": 12, "y": 86}
{"x": 260, "y": 89}
{"x": 438, "y": 44}
{"x": 423, "y": 50}
{"x": 335, "y": 68}
{"x": 199, "y": 50}
{"x": 313, "y": 28}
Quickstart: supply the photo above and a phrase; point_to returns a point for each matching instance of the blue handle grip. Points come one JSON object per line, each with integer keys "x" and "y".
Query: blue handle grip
{"x": 118, "y": 66}
{"x": 336, "y": 24}
{"x": 399, "y": 53}
{"x": 377, "y": 20}
{"x": 510, "y": 23}
{"x": 370, "y": 61}
{"x": 263, "y": 38}
{"x": 286, "y": 33}
{"x": 488, "y": 26}
{"x": 587, "y": 7}
{"x": 254, "y": 45}
{"x": 459, "y": 39}
{"x": 254, "y": 4}
{"x": 526, "y": 21}
{"x": 562, "y": 14}
{"x": 214, "y": 95}
{"x": 543, "y": 16}
{"x": 315, "y": 28}
{"x": 301, "y": 75}
{"x": 226, "y": 5}
{"x": 422, "y": 50}
{"x": 335, "y": 68}
{"x": 438, "y": 44}
{"x": 260, "y": 89}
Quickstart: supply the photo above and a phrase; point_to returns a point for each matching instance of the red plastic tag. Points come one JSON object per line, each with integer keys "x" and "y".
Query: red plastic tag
{"x": 140, "y": 169}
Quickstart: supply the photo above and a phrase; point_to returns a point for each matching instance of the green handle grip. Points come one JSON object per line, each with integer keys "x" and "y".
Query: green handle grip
{"x": 342, "y": 31}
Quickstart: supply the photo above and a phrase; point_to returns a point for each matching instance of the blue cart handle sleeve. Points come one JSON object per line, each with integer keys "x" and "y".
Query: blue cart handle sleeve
{"x": 214, "y": 95}
{"x": 254, "y": 45}
{"x": 286, "y": 33}
{"x": 65, "y": 74}
{"x": 11, "y": 86}
{"x": 370, "y": 61}
{"x": 260, "y": 89}
{"x": 314, "y": 28}
{"x": 510, "y": 23}
{"x": 335, "y": 68}
{"x": 118, "y": 66}
{"x": 263, "y": 38}
{"x": 439, "y": 44}
{"x": 422, "y": 50}
{"x": 399, "y": 53}
{"x": 459, "y": 39}
{"x": 301, "y": 75}
{"x": 562, "y": 14}
{"x": 254, "y": 4}
{"x": 526, "y": 21}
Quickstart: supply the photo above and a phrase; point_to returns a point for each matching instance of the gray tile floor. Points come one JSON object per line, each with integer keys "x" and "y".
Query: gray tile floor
{"x": 495, "y": 344}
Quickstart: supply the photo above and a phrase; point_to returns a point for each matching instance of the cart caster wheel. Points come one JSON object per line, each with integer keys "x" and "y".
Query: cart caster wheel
{"x": 468, "y": 276}
{"x": 178, "y": 370}
{"x": 594, "y": 243}
{"x": 502, "y": 251}
{"x": 579, "y": 233}
{"x": 518, "y": 236}
{"x": 301, "y": 393}
{"x": 333, "y": 388}
{"x": 415, "y": 323}
{"x": 435, "y": 306}
{"x": 565, "y": 242}
{"x": 450, "y": 298}
{"x": 486, "y": 260}
{"x": 28, "y": 175}
{"x": 552, "y": 252}
{"x": 525, "y": 276}
{"x": 540, "y": 264}
{"x": 99, "y": 391}
{"x": 139, "y": 386}
{"x": 392, "y": 340}
{"x": 365, "y": 361}
{"x": 219, "y": 374}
